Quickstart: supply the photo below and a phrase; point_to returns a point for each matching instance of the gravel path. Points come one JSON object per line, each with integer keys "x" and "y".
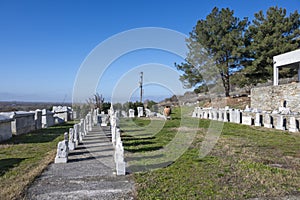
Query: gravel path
{"x": 89, "y": 173}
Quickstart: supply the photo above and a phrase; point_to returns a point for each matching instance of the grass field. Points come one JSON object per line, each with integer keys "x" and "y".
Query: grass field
{"x": 246, "y": 162}
{"x": 24, "y": 157}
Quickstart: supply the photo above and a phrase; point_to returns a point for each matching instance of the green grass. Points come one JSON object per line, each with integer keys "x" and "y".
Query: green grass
{"x": 24, "y": 157}
{"x": 246, "y": 162}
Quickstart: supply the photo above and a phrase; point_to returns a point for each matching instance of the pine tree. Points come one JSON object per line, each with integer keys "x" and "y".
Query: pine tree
{"x": 270, "y": 35}
{"x": 215, "y": 46}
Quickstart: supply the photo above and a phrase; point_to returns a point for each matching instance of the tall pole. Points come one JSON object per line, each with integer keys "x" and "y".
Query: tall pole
{"x": 141, "y": 87}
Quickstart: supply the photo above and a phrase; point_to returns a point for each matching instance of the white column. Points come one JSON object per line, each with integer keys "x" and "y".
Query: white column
{"x": 275, "y": 75}
{"x": 299, "y": 72}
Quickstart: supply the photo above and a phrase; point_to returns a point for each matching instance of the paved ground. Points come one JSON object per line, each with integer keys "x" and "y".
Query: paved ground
{"x": 89, "y": 174}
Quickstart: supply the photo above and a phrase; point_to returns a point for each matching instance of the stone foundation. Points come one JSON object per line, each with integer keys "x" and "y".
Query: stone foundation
{"x": 269, "y": 98}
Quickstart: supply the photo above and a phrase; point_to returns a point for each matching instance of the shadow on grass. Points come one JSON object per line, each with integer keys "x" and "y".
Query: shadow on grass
{"x": 133, "y": 158}
{"x": 137, "y": 142}
{"x": 130, "y": 138}
{"x": 141, "y": 168}
{"x": 143, "y": 148}
{"x": 40, "y": 136}
{"x": 133, "y": 130}
{"x": 8, "y": 163}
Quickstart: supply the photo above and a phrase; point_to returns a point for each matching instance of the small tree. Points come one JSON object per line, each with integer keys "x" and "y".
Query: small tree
{"x": 96, "y": 101}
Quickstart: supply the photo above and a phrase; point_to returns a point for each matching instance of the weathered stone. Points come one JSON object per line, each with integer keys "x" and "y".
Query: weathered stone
{"x": 131, "y": 113}
{"x": 268, "y": 121}
{"x": 221, "y": 115}
{"x": 62, "y": 112}
{"x": 47, "y": 118}
{"x": 232, "y": 115}
{"x": 5, "y": 127}
{"x": 225, "y": 116}
{"x": 269, "y": 98}
{"x": 280, "y": 125}
{"x": 71, "y": 139}
{"x": 293, "y": 125}
{"x": 258, "y": 119}
{"x": 247, "y": 120}
{"x": 76, "y": 134}
{"x": 38, "y": 119}
{"x": 62, "y": 150}
{"x": 140, "y": 111}
{"x": 23, "y": 122}
{"x": 215, "y": 114}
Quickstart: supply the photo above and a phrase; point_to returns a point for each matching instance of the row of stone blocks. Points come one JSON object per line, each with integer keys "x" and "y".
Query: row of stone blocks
{"x": 268, "y": 120}
{"x": 21, "y": 122}
{"x": 73, "y": 138}
{"x": 117, "y": 143}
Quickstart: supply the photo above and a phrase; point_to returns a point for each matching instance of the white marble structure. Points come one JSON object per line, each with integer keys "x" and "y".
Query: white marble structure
{"x": 257, "y": 120}
{"x": 293, "y": 125}
{"x": 23, "y": 122}
{"x": 47, "y": 118}
{"x": 140, "y": 111}
{"x": 285, "y": 60}
{"x": 38, "y": 119}
{"x": 71, "y": 142}
{"x": 131, "y": 113}
{"x": 280, "y": 125}
{"x": 247, "y": 120}
{"x": 5, "y": 127}
{"x": 268, "y": 121}
{"x": 62, "y": 112}
{"x": 62, "y": 150}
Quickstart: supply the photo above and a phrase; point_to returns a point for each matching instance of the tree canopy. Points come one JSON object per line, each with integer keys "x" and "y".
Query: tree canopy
{"x": 269, "y": 35}
{"x": 231, "y": 45}
{"x": 215, "y": 41}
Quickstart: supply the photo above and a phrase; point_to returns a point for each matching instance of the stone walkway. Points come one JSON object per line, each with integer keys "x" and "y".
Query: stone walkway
{"x": 89, "y": 173}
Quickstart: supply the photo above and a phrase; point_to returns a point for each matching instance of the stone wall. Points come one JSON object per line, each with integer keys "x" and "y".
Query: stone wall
{"x": 5, "y": 128}
{"x": 23, "y": 122}
{"x": 269, "y": 98}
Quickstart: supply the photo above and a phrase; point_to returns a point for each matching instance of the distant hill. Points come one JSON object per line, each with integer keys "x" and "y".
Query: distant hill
{"x": 7, "y": 106}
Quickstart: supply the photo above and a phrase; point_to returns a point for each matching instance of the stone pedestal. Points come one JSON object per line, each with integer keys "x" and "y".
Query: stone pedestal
{"x": 293, "y": 125}
{"x": 257, "y": 121}
{"x": 268, "y": 121}
{"x": 280, "y": 125}
{"x": 62, "y": 150}
{"x": 131, "y": 113}
{"x": 247, "y": 120}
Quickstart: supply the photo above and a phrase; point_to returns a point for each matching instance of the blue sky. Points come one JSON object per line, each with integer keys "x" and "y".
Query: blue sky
{"x": 44, "y": 43}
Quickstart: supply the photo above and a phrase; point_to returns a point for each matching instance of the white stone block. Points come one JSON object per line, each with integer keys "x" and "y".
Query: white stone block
{"x": 257, "y": 121}
{"x": 232, "y": 117}
{"x": 268, "y": 121}
{"x": 220, "y": 115}
{"x": 5, "y": 127}
{"x": 62, "y": 152}
{"x": 247, "y": 120}
{"x": 214, "y": 115}
{"x": 293, "y": 125}
{"x": 71, "y": 143}
{"x": 225, "y": 116}
{"x": 237, "y": 116}
{"x": 280, "y": 123}
{"x": 131, "y": 113}
{"x": 140, "y": 111}
{"x": 121, "y": 168}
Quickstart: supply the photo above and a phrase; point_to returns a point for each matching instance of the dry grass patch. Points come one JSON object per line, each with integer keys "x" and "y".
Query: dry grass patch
{"x": 24, "y": 157}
